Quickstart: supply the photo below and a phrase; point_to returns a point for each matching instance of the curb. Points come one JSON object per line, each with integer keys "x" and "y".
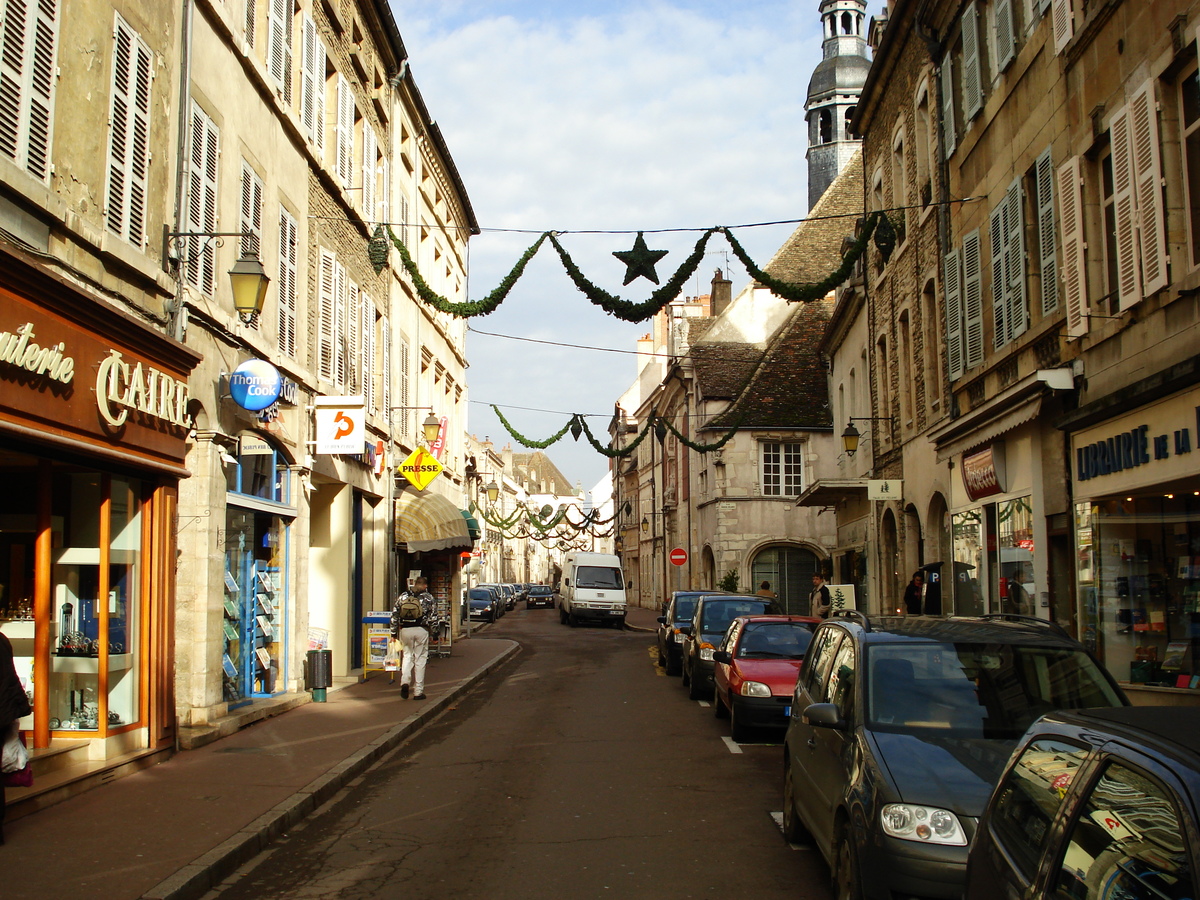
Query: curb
{"x": 208, "y": 871}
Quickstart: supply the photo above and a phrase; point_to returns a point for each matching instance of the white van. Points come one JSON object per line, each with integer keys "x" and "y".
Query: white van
{"x": 592, "y": 588}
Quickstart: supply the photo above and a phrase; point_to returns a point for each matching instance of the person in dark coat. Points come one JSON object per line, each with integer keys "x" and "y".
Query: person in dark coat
{"x": 914, "y": 593}
{"x": 14, "y": 704}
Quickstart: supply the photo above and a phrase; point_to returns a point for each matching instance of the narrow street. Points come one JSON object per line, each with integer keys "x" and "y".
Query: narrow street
{"x": 578, "y": 771}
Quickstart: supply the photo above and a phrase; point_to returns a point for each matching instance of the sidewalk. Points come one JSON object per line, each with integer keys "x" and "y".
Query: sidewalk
{"x": 173, "y": 831}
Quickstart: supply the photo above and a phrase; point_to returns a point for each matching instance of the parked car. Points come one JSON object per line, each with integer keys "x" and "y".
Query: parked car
{"x": 1095, "y": 804}
{"x": 509, "y": 592}
{"x": 713, "y": 614}
{"x": 900, "y": 727}
{"x": 755, "y": 670}
{"x": 673, "y": 626}
{"x": 539, "y": 595}
{"x": 482, "y": 604}
{"x": 498, "y": 592}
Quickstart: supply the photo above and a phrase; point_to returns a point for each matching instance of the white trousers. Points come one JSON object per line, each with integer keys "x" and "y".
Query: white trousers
{"x": 414, "y": 641}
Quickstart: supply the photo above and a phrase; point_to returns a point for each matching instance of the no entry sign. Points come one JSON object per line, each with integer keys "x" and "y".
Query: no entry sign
{"x": 678, "y": 556}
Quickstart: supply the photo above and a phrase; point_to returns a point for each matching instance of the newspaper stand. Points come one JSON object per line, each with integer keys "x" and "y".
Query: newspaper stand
{"x": 440, "y": 634}
{"x": 377, "y": 633}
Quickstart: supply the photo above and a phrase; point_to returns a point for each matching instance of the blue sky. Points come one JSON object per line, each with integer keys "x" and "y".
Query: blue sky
{"x": 614, "y": 116}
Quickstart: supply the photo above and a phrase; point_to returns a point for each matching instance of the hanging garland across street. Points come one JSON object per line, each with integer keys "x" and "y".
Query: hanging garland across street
{"x": 639, "y": 262}
{"x": 578, "y": 423}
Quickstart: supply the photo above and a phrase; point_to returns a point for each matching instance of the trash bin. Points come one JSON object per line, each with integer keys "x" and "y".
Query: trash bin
{"x": 320, "y": 673}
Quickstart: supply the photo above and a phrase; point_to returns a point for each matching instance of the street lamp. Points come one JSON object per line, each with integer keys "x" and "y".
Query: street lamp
{"x": 851, "y": 435}
{"x": 249, "y": 282}
{"x": 431, "y": 427}
{"x": 493, "y": 491}
{"x": 645, "y": 524}
{"x": 248, "y": 279}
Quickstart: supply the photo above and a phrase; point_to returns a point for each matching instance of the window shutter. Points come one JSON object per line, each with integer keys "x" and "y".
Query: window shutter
{"x": 386, "y": 331}
{"x": 1147, "y": 170}
{"x": 1070, "y": 200}
{"x": 286, "y": 290}
{"x": 251, "y": 212}
{"x": 368, "y": 351}
{"x": 251, "y": 16}
{"x": 326, "y": 330}
{"x": 1125, "y": 208}
{"x": 999, "y": 231}
{"x": 370, "y": 144}
{"x": 972, "y": 300}
{"x": 972, "y": 64}
{"x": 1047, "y": 258}
{"x": 339, "y": 324}
{"x": 405, "y": 230}
{"x": 200, "y": 271}
{"x": 1006, "y": 34}
{"x": 345, "y": 131}
{"x": 353, "y": 339}
{"x": 1063, "y": 23}
{"x": 1017, "y": 317}
{"x": 129, "y": 135}
{"x": 406, "y": 385}
{"x": 947, "y": 83}
{"x": 385, "y": 190}
{"x": 279, "y": 45}
{"x": 27, "y": 76}
{"x": 952, "y": 288}
{"x": 312, "y": 83}
{"x": 41, "y": 89}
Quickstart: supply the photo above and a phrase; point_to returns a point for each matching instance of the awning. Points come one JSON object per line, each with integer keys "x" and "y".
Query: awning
{"x": 829, "y": 491}
{"x": 1015, "y": 406}
{"x": 472, "y": 525}
{"x": 427, "y": 521}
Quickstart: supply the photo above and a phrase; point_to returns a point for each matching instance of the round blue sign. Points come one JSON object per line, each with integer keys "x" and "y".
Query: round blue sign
{"x": 255, "y": 385}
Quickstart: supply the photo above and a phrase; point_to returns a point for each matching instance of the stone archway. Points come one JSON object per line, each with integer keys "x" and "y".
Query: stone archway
{"x": 789, "y": 569}
{"x": 708, "y": 569}
{"x": 889, "y": 564}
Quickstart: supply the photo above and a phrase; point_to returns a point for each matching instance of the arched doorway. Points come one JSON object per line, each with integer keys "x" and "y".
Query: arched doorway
{"x": 790, "y": 571}
{"x": 708, "y": 569}
{"x": 888, "y": 563}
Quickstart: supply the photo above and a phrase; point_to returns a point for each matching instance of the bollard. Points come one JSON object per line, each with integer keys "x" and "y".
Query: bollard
{"x": 320, "y": 673}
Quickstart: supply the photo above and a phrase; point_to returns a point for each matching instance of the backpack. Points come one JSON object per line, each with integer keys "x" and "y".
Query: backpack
{"x": 409, "y": 610}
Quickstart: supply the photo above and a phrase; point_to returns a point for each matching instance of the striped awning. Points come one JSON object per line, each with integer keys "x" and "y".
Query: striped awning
{"x": 427, "y": 521}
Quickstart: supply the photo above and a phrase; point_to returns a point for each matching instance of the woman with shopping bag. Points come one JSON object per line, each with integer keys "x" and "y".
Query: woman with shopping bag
{"x": 14, "y": 705}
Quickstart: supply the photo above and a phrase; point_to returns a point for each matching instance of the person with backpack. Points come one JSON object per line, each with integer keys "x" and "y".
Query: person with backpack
{"x": 411, "y": 614}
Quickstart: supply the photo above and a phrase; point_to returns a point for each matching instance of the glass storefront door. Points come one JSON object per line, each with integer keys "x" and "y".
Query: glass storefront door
{"x": 253, "y": 663}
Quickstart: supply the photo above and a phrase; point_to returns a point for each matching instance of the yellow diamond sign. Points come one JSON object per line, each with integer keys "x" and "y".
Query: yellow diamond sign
{"x": 421, "y": 468}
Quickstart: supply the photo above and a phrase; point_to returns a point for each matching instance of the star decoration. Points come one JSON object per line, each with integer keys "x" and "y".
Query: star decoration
{"x": 640, "y": 260}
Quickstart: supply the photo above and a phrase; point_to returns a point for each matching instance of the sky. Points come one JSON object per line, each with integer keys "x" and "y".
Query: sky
{"x": 612, "y": 117}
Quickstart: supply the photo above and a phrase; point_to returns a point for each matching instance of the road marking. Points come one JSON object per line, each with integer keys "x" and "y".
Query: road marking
{"x": 658, "y": 664}
{"x": 704, "y": 703}
{"x": 733, "y": 746}
{"x": 777, "y": 818}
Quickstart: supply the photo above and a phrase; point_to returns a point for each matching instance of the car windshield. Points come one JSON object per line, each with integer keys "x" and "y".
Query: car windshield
{"x": 978, "y": 690}
{"x": 481, "y": 595}
{"x": 598, "y": 577}
{"x": 685, "y": 608}
{"x": 717, "y": 614}
{"x": 774, "y": 640}
{"x": 540, "y": 589}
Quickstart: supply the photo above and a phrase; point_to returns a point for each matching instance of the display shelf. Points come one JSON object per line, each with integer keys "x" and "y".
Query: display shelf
{"x": 89, "y": 665}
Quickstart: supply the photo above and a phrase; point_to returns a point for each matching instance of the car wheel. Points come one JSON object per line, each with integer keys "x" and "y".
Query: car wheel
{"x": 793, "y": 829}
{"x": 672, "y": 663}
{"x": 737, "y": 728}
{"x": 696, "y": 690}
{"x": 720, "y": 710}
{"x": 687, "y": 676}
{"x": 573, "y": 620}
{"x": 846, "y": 881}
{"x": 562, "y": 616}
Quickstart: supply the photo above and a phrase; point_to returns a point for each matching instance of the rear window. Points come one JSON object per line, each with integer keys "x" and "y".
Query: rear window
{"x": 775, "y": 640}
{"x": 598, "y": 577}
{"x": 979, "y": 690}
{"x": 685, "y": 608}
{"x": 717, "y": 614}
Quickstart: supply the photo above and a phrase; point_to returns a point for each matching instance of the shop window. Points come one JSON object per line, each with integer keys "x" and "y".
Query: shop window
{"x": 1189, "y": 116}
{"x": 254, "y": 608}
{"x": 967, "y": 537}
{"x": 1016, "y": 589}
{"x": 264, "y": 476}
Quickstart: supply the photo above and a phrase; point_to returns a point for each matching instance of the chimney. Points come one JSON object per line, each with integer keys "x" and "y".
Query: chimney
{"x": 722, "y": 292}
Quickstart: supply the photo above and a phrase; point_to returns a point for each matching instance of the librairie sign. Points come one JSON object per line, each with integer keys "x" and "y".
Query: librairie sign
{"x": 1147, "y": 446}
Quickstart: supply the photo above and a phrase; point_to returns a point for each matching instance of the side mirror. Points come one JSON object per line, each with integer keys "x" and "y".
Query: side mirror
{"x": 662, "y": 620}
{"x": 824, "y": 715}
{"x": 684, "y": 629}
{"x": 722, "y": 656}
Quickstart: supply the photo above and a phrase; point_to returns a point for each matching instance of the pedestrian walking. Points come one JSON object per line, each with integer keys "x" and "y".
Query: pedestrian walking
{"x": 914, "y": 593}
{"x": 14, "y": 705}
{"x": 764, "y": 590}
{"x": 411, "y": 615}
{"x": 819, "y": 603}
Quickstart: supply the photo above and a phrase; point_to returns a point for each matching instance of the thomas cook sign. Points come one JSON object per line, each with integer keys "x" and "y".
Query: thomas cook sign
{"x": 420, "y": 468}
{"x": 255, "y": 385}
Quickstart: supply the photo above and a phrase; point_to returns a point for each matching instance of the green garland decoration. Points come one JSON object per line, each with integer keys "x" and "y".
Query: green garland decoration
{"x": 805, "y": 293}
{"x": 704, "y": 448}
{"x": 529, "y": 442}
{"x": 478, "y": 307}
{"x": 624, "y": 451}
{"x": 625, "y": 309}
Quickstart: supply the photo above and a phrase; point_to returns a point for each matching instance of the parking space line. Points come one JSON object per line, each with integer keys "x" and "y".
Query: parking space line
{"x": 733, "y": 746}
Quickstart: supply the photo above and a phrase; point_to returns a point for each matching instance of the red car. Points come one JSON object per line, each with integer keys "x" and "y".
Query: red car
{"x": 756, "y": 668}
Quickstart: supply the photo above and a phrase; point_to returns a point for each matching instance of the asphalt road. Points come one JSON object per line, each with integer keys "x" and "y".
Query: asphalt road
{"x": 578, "y": 771}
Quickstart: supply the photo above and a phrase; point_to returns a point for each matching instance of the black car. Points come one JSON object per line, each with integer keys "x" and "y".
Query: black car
{"x": 1095, "y": 804}
{"x": 540, "y": 595}
{"x": 900, "y": 727}
{"x": 482, "y": 604}
{"x": 713, "y": 614}
{"x": 673, "y": 625}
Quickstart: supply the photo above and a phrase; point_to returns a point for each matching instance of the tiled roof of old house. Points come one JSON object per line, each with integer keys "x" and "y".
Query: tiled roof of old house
{"x": 723, "y": 369}
{"x": 548, "y": 474}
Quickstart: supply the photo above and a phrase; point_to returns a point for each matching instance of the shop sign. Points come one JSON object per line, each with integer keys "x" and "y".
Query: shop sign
{"x": 439, "y": 445}
{"x": 340, "y": 430}
{"x": 885, "y": 489}
{"x": 983, "y": 472}
{"x": 420, "y": 468}
{"x": 18, "y": 349}
{"x": 121, "y": 387}
{"x": 252, "y": 445}
{"x": 1148, "y": 445}
{"x": 255, "y": 385}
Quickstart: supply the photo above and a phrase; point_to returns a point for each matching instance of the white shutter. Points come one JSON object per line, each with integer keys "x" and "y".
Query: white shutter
{"x": 972, "y": 300}
{"x": 251, "y": 17}
{"x": 129, "y": 135}
{"x": 286, "y": 290}
{"x": 353, "y": 339}
{"x": 1070, "y": 201}
{"x": 345, "y": 132}
{"x": 1047, "y": 258}
{"x": 972, "y": 64}
{"x": 1129, "y": 279}
{"x": 251, "y": 211}
{"x": 999, "y": 230}
{"x": 1147, "y": 171}
{"x": 405, "y": 230}
{"x": 948, "y": 127}
{"x": 27, "y": 77}
{"x": 1017, "y": 317}
{"x": 370, "y": 145}
{"x": 406, "y": 397}
{"x": 952, "y": 289}
{"x": 200, "y": 254}
{"x": 326, "y": 327}
{"x": 279, "y": 45}
{"x": 312, "y": 83}
{"x": 339, "y": 324}
{"x": 385, "y": 190}
{"x": 368, "y": 351}
{"x": 1006, "y": 34}
{"x": 386, "y": 330}
{"x": 1063, "y": 23}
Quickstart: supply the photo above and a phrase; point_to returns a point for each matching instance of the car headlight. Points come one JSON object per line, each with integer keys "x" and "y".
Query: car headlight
{"x": 706, "y": 651}
{"x": 754, "y": 689}
{"x": 678, "y": 636}
{"x": 926, "y": 824}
